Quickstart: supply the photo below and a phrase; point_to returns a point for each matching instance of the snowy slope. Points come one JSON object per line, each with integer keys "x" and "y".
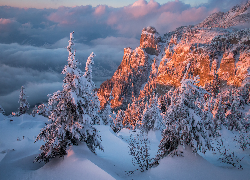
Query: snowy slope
{"x": 16, "y": 157}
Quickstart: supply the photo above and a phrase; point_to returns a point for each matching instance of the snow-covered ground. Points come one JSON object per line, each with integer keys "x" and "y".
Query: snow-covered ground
{"x": 18, "y": 150}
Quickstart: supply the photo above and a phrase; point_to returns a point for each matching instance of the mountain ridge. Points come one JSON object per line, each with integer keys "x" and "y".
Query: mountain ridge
{"x": 218, "y": 54}
{"x": 237, "y": 15}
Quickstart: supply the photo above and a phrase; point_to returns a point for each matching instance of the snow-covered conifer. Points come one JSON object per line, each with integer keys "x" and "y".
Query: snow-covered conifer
{"x": 156, "y": 111}
{"x": 24, "y": 105}
{"x": 88, "y": 69}
{"x": 233, "y": 115}
{"x": 94, "y": 103}
{"x": 118, "y": 121}
{"x": 169, "y": 142}
{"x": 154, "y": 70}
{"x": 34, "y": 111}
{"x": 152, "y": 118}
{"x": 44, "y": 110}
{"x": 184, "y": 119}
{"x": 139, "y": 149}
{"x": 2, "y": 110}
{"x": 72, "y": 113}
{"x": 218, "y": 112}
{"x": 132, "y": 116}
{"x": 107, "y": 112}
{"x": 147, "y": 123}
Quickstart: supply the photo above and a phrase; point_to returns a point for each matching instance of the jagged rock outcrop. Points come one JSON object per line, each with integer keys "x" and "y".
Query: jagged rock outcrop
{"x": 220, "y": 56}
{"x": 127, "y": 79}
{"x": 150, "y": 40}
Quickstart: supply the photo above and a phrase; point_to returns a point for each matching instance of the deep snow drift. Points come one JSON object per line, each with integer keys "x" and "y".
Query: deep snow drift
{"x": 18, "y": 150}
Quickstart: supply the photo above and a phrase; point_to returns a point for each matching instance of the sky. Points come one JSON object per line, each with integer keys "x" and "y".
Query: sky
{"x": 33, "y": 40}
{"x": 57, "y": 3}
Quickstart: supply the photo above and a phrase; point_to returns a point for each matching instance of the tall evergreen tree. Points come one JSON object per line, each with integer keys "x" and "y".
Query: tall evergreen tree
{"x": 72, "y": 112}
{"x": 94, "y": 104}
{"x": 24, "y": 105}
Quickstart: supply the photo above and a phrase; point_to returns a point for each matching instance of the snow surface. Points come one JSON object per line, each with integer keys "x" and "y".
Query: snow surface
{"x": 18, "y": 150}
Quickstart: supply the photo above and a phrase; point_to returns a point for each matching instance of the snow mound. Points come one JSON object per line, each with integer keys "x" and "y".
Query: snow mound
{"x": 18, "y": 150}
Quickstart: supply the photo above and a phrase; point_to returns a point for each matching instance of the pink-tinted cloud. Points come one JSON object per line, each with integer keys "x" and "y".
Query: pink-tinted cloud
{"x": 166, "y": 17}
{"x": 192, "y": 16}
{"x": 100, "y": 10}
{"x": 174, "y": 7}
{"x": 7, "y": 26}
{"x": 72, "y": 15}
{"x": 186, "y": 16}
{"x": 139, "y": 3}
{"x": 129, "y": 20}
{"x": 141, "y": 8}
{"x": 113, "y": 19}
{"x": 5, "y": 21}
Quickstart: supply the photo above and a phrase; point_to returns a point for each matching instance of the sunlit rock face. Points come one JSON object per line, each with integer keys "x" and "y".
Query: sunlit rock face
{"x": 219, "y": 55}
{"x": 150, "y": 39}
{"x": 127, "y": 79}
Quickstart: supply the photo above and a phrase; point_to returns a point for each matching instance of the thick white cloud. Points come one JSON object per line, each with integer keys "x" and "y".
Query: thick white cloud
{"x": 36, "y": 92}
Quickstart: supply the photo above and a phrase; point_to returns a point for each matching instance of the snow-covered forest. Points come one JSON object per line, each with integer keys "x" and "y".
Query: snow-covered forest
{"x": 189, "y": 132}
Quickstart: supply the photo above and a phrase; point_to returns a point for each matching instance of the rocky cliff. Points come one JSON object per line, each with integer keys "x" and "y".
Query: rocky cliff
{"x": 214, "y": 50}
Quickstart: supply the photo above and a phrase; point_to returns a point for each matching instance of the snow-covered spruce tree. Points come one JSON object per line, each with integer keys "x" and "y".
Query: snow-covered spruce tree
{"x": 2, "y": 110}
{"x": 72, "y": 112}
{"x": 118, "y": 121}
{"x": 107, "y": 112}
{"x": 132, "y": 116}
{"x": 218, "y": 112}
{"x": 155, "y": 106}
{"x": 233, "y": 115}
{"x": 227, "y": 111}
{"x": 139, "y": 149}
{"x": 152, "y": 118}
{"x": 94, "y": 104}
{"x": 23, "y": 103}
{"x": 184, "y": 123}
{"x": 147, "y": 122}
{"x": 43, "y": 109}
{"x": 34, "y": 111}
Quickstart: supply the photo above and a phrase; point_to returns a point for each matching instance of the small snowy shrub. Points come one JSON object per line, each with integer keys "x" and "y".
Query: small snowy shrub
{"x": 139, "y": 149}
{"x": 2, "y": 110}
{"x": 227, "y": 156}
{"x": 117, "y": 123}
